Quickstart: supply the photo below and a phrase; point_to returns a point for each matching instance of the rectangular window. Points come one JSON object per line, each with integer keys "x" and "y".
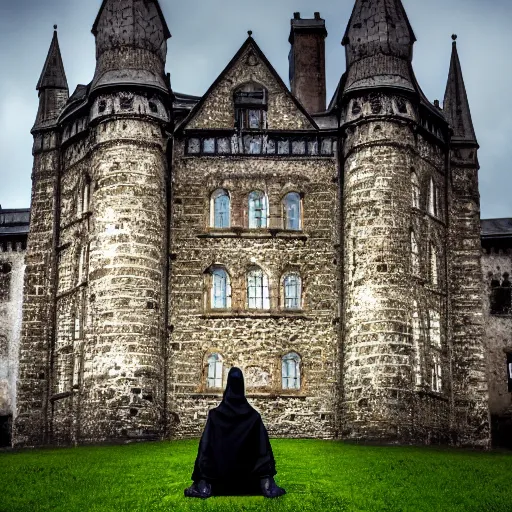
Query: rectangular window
{"x": 194, "y": 146}
{"x": 209, "y": 146}
{"x": 224, "y": 145}
{"x": 252, "y": 145}
{"x": 313, "y": 147}
{"x": 283, "y": 147}
{"x": 299, "y": 147}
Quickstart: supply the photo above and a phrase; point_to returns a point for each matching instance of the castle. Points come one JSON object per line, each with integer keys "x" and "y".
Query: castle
{"x": 333, "y": 252}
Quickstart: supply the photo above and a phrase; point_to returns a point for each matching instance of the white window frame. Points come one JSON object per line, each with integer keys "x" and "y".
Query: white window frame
{"x": 290, "y": 300}
{"x": 258, "y": 292}
{"x": 290, "y": 201}
{"x": 215, "y": 204}
{"x": 258, "y": 203}
{"x": 290, "y": 371}
{"x": 215, "y": 370}
{"x": 220, "y": 292}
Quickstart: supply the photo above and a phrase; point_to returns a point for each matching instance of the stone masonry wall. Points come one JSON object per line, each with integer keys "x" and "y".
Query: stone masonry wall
{"x": 12, "y": 270}
{"x": 470, "y": 388}
{"x": 108, "y": 371}
{"x": 31, "y": 425}
{"x": 253, "y": 340}
{"x": 388, "y": 304}
{"x": 498, "y": 332}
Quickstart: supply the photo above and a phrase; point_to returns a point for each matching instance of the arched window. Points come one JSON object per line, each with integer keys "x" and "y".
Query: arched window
{"x": 292, "y": 212}
{"x": 416, "y": 339}
{"x": 257, "y": 289}
{"x": 292, "y": 291}
{"x": 83, "y": 264}
{"x": 214, "y": 379}
{"x": 291, "y": 371}
{"x": 433, "y": 202}
{"x": 258, "y": 210}
{"x": 220, "y": 209}
{"x": 435, "y": 348}
{"x": 84, "y": 199}
{"x": 220, "y": 289}
{"x": 434, "y": 266}
{"x": 415, "y": 255}
{"x": 86, "y": 195}
{"x": 415, "y": 189}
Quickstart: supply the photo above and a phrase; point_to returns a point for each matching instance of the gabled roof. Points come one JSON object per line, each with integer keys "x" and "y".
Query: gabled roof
{"x": 249, "y": 43}
{"x": 53, "y": 75}
{"x": 456, "y": 104}
{"x": 159, "y": 9}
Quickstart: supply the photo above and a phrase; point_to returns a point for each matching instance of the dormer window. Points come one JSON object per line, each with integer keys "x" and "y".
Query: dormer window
{"x": 251, "y": 107}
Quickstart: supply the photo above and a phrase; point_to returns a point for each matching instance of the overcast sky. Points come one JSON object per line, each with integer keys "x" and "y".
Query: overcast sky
{"x": 206, "y": 35}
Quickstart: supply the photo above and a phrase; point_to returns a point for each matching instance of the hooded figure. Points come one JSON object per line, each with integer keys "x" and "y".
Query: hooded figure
{"x": 235, "y": 456}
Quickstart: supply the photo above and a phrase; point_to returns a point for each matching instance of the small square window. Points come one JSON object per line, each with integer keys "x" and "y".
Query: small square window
{"x": 271, "y": 147}
{"x": 313, "y": 147}
{"x": 194, "y": 146}
{"x": 209, "y": 146}
{"x": 327, "y": 147}
{"x": 252, "y": 145}
{"x": 224, "y": 145}
{"x": 299, "y": 147}
{"x": 283, "y": 147}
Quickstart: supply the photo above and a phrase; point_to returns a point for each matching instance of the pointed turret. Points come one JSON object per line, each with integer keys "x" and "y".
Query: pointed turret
{"x": 456, "y": 105}
{"x": 379, "y": 45}
{"x": 131, "y": 44}
{"x": 53, "y": 75}
{"x": 52, "y": 86}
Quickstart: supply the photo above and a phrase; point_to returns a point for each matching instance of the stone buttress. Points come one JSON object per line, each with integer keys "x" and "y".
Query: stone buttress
{"x": 394, "y": 325}
{"x": 32, "y": 425}
{"x": 470, "y": 388}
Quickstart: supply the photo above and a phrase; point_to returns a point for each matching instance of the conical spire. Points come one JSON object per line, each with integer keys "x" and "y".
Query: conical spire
{"x": 131, "y": 44}
{"x": 456, "y": 105}
{"x": 379, "y": 44}
{"x": 53, "y": 75}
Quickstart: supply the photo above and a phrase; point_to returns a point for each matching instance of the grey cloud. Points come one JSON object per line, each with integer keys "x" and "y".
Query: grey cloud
{"x": 206, "y": 34}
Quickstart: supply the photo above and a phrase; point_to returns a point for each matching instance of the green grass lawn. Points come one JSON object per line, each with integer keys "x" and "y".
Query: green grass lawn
{"x": 317, "y": 475}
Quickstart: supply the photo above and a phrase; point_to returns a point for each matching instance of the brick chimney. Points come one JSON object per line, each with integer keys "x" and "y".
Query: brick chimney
{"x": 307, "y": 62}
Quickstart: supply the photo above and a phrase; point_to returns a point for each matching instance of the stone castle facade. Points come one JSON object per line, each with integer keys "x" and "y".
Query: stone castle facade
{"x": 333, "y": 252}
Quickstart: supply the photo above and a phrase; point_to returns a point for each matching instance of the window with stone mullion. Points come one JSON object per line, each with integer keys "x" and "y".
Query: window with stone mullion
{"x": 292, "y": 292}
{"x": 258, "y": 210}
{"x": 257, "y": 290}
{"x": 221, "y": 290}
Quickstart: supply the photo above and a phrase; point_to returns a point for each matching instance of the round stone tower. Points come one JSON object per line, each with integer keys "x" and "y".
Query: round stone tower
{"x": 381, "y": 107}
{"x": 123, "y": 368}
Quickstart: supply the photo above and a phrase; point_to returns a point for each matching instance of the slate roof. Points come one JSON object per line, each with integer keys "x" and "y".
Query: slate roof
{"x": 167, "y": 33}
{"x": 496, "y": 228}
{"x": 456, "y": 104}
{"x": 378, "y": 43}
{"x": 14, "y": 222}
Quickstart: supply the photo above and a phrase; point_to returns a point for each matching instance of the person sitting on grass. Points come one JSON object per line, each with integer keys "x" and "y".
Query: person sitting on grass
{"x": 234, "y": 456}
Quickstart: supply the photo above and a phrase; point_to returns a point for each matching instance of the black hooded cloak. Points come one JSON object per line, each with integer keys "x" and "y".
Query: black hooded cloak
{"x": 234, "y": 451}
